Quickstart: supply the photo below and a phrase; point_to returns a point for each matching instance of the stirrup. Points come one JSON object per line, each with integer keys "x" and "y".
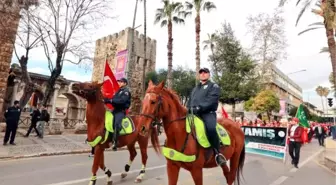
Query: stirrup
{"x": 222, "y": 159}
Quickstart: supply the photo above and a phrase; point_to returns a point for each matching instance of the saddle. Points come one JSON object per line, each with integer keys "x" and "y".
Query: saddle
{"x": 192, "y": 121}
{"x": 127, "y": 127}
{"x": 200, "y": 131}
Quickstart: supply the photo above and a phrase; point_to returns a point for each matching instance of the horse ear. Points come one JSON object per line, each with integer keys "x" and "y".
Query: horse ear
{"x": 161, "y": 85}
{"x": 150, "y": 83}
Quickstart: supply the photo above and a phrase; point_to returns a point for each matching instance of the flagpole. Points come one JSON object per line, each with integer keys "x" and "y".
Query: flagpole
{"x": 104, "y": 66}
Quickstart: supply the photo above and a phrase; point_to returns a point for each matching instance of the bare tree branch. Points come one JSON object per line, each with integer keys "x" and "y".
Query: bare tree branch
{"x": 268, "y": 36}
{"x": 65, "y": 26}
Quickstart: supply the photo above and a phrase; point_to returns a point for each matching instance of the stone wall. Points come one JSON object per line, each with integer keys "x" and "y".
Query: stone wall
{"x": 9, "y": 20}
{"x": 109, "y": 46}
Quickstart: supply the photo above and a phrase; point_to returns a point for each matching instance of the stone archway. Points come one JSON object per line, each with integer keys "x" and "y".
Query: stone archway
{"x": 73, "y": 107}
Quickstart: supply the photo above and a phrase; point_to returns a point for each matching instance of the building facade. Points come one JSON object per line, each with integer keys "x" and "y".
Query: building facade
{"x": 285, "y": 88}
{"x": 107, "y": 48}
{"x": 63, "y": 103}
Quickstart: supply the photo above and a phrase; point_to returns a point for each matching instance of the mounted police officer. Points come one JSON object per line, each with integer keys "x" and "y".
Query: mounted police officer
{"x": 12, "y": 116}
{"x": 204, "y": 103}
{"x": 121, "y": 101}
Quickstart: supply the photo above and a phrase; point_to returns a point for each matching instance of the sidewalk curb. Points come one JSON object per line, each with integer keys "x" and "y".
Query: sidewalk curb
{"x": 44, "y": 154}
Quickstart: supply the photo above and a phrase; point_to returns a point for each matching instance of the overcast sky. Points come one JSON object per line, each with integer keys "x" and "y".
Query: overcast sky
{"x": 303, "y": 51}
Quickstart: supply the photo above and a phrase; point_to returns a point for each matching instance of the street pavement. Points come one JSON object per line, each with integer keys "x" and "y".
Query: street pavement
{"x": 76, "y": 170}
{"x": 49, "y": 145}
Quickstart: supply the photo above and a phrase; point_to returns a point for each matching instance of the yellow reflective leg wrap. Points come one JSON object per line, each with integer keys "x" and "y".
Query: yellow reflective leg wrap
{"x": 177, "y": 156}
{"x": 95, "y": 142}
{"x": 129, "y": 162}
{"x": 93, "y": 178}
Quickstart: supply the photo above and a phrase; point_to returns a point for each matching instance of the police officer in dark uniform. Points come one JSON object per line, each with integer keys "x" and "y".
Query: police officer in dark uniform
{"x": 121, "y": 101}
{"x": 204, "y": 103}
{"x": 12, "y": 116}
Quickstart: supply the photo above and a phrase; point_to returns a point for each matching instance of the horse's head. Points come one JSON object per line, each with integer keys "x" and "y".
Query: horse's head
{"x": 159, "y": 103}
{"x": 87, "y": 90}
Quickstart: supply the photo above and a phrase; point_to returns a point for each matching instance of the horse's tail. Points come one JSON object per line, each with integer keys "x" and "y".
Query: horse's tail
{"x": 241, "y": 165}
{"x": 155, "y": 141}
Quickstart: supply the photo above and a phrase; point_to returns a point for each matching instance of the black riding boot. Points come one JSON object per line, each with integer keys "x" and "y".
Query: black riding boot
{"x": 116, "y": 135}
{"x": 219, "y": 158}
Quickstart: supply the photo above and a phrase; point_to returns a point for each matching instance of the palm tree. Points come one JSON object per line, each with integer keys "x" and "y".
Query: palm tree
{"x": 199, "y": 5}
{"x": 172, "y": 12}
{"x": 319, "y": 91}
{"x": 145, "y": 26}
{"x": 210, "y": 43}
{"x": 145, "y": 44}
{"x": 327, "y": 12}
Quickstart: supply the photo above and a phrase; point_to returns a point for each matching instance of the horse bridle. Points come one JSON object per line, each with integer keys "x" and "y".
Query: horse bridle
{"x": 155, "y": 117}
{"x": 87, "y": 93}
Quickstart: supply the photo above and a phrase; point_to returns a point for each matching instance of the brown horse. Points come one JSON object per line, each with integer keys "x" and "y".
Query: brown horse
{"x": 162, "y": 103}
{"x": 95, "y": 118}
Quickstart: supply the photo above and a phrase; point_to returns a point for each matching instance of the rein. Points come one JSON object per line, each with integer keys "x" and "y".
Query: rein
{"x": 155, "y": 118}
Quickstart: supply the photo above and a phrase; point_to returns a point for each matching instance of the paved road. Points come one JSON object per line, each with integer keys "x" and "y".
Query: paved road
{"x": 75, "y": 170}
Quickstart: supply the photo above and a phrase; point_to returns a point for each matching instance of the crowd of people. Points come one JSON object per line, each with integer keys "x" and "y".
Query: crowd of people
{"x": 319, "y": 130}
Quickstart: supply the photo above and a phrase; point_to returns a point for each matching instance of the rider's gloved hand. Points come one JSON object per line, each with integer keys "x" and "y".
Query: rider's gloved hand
{"x": 106, "y": 100}
{"x": 195, "y": 110}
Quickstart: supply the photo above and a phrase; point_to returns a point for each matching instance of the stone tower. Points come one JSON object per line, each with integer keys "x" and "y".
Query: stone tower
{"x": 108, "y": 48}
{"x": 9, "y": 21}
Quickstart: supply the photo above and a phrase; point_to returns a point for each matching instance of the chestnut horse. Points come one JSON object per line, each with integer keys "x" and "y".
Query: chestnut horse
{"x": 162, "y": 103}
{"x": 95, "y": 118}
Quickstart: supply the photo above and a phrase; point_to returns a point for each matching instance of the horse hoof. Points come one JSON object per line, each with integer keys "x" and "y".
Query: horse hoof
{"x": 110, "y": 183}
{"x": 138, "y": 180}
{"x": 123, "y": 175}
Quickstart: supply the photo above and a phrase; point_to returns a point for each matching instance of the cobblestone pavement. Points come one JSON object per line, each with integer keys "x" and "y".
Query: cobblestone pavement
{"x": 49, "y": 145}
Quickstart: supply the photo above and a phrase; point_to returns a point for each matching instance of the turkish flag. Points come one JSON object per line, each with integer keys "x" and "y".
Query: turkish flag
{"x": 225, "y": 115}
{"x": 110, "y": 84}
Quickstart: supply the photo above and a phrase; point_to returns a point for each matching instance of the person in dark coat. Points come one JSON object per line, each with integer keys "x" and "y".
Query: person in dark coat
{"x": 121, "y": 101}
{"x": 44, "y": 118}
{"x": 35, "y": 117}
{"x": 320, "y": 134}
{"x": 204, "y": 103}
{"x": 12, "y": 116}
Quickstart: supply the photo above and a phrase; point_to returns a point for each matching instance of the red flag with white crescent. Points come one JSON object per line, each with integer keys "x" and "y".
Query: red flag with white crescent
{"x": 110, "y": 84}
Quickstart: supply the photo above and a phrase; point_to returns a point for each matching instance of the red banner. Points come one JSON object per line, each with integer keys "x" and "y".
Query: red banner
{"x": 110, "y": 84}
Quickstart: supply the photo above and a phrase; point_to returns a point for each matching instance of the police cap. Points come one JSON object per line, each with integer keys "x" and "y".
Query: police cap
{"x": 123, "y": 80}
{"x": 206, "y": 70}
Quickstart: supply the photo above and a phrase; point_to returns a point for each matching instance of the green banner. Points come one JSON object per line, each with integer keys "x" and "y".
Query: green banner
{"x": 301, "y": 115}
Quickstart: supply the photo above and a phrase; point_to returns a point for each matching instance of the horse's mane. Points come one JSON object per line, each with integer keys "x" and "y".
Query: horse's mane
{"x": 96, "y": 114}
{"x": 175, "y": 98}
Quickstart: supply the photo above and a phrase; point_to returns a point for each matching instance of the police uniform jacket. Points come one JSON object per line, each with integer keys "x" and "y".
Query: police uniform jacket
{"x": 12, "y": 116}
{"x": 205, "y": 96}
{"x": 122, "y": 99}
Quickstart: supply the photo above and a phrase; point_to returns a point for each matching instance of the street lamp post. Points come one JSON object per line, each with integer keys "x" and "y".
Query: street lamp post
{"x": 287, "y": 93}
